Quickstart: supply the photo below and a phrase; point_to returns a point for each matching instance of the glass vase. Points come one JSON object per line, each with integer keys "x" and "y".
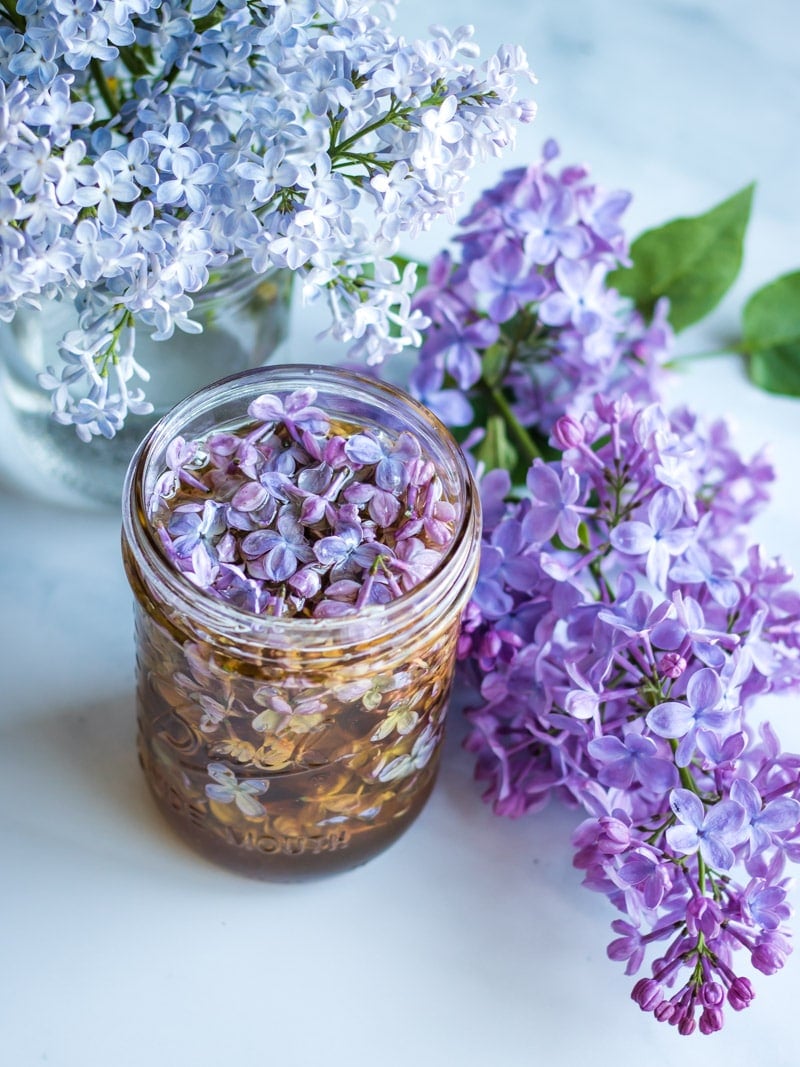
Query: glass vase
{"x": 244, "y": 317}
{"x": 285, "y": 748}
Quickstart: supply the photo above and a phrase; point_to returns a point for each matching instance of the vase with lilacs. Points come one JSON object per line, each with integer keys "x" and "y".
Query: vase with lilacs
{"x": 152, "y": 151}
{"x": 623, "y": 627}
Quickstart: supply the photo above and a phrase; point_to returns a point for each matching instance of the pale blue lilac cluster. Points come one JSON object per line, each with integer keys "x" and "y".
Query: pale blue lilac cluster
{"x": 618, "y": 648}
{"x": 527, "y": 303}
{"x": 291, "y": 515}
{"x": 145, "y": 144}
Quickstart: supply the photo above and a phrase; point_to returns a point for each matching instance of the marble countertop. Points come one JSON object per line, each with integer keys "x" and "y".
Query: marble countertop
{"x": 470, "y": 942}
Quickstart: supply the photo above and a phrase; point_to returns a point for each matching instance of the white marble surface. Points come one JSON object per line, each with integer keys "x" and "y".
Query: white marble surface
{"x": 470, "y": 942}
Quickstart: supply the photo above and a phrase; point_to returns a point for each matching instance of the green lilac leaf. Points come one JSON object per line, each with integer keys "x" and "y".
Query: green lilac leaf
{"x": 777, "y": 369}
{"x": 495, "y": 450}
{"x": 771, "y": 336}
{"x": 693, "y": 261}
{"x": 772, "y": 315}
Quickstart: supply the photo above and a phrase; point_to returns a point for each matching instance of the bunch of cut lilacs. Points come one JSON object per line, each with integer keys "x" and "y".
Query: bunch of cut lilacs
{"x": 621, "y": 628}
{"x": 145, "y": 144}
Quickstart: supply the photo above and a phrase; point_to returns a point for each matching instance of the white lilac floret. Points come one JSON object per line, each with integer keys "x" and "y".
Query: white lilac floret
{"x": 145, "y": 144}
{"x": 291, "y": 515}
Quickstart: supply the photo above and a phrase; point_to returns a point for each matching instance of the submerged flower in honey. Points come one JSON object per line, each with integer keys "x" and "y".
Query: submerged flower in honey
{"x": 225, "y": 789}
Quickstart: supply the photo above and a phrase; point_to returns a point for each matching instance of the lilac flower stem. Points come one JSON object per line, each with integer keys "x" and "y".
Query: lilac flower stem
{"x": 638, "y": 656}
{"x": 659, "y": 830}
{"x": 530, "y": 450}
{"x": 603, "y": 585}
{"x": 592, "y": 557}
{"x": 779, "y": 791}
{"x": 103, "y": 87}
{"x": 625, "y": 666}
{"x": 11, "y": 12}
{"x": 701, "y": 873}
{"x": 692, "y": 357}
{"x": 189, "y": 479}
{"x": 391, "y": 581}
{"x": 393, "y": 113}
{"x": 366, "y": 589}
{"x": 735, "y": 931}
{"x": 687, "y": 780}
{"x": 615, "y": 442}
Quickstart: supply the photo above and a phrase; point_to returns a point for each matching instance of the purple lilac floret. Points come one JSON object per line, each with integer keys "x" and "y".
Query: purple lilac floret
{"x": 291, "y": 515}
{"x": 618, "y": 648}
{"x": 530, "y": 288}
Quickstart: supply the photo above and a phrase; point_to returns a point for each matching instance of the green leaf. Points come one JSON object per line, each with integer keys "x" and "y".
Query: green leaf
{"x": 771, "y": 316}
{"x": 771, "y": 335}
{"x": 495, "y": 450}
{"x": 776, "y": 370}
{"x": 693, "y": 261}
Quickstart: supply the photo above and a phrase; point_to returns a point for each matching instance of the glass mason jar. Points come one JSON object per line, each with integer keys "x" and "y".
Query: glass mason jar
{"x": 284, "y": 748}
{"x": 244, "y": 317}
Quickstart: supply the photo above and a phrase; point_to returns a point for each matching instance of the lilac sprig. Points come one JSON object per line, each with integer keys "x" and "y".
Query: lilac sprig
{"x": 526, "y": 308}
{"x": 618, "y": 650}
{"x": 621, "y": 628}
{"x": 286, "y": 517}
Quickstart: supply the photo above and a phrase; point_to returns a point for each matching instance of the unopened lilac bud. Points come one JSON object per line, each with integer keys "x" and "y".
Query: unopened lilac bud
{"x": 703, "y": 916}
{"x": 687, "y": 1025}
{"x": 664, "y": 1011}
{"x": 614, "y": 836}
{"x": 472, "y": 617}
{"x": 712, "y": 994}
{"x": 672, "y": 665}
{"x": 647, "y": 993}
{"x": 710, "y": 1021}
{"x": 771, "y": 954}
{"x": 463, "y": 646}
{"x": 568, "y": 432}
{"x": 491, "y": 645}
{"x": 740, "y": 994}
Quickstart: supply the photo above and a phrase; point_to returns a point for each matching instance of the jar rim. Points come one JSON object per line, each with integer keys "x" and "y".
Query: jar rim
{"x": 219, "y": 616}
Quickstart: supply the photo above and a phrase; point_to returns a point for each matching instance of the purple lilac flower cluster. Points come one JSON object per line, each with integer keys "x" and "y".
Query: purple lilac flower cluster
{"x": 618, "y": 649}
{"x": 616, "y": 645}
{"x": 144, "y": 144}
{"x": 528, "y": 304}
{"x": 293, "y": 515}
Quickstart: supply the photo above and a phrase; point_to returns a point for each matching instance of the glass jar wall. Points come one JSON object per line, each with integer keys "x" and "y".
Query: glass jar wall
{"x": 290, "y": 747}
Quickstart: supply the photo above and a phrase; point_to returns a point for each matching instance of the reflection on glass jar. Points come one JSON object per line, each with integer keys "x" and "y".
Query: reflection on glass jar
{"x": 290, "y": 747}
{"x": 244, "y": 317}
